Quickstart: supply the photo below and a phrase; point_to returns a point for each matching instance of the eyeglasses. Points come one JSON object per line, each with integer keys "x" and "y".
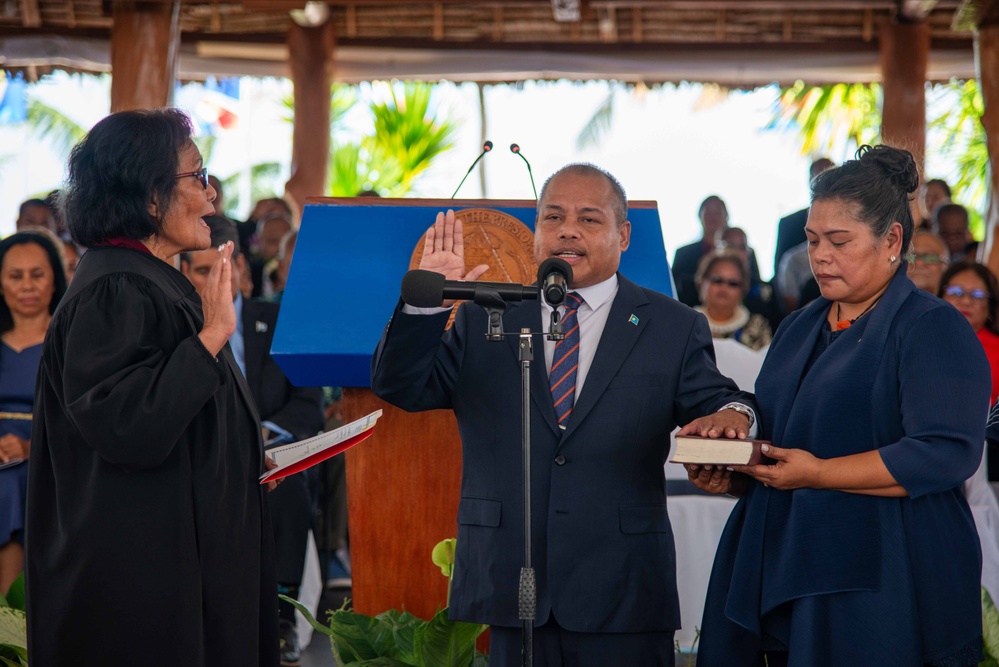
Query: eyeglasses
{"x": 957, "y": 292}
{"x": 927, "y": 258}
{"x": 201, "y": 175}
{"x": 718, "y": 280}
{"x": 729, "y": 245}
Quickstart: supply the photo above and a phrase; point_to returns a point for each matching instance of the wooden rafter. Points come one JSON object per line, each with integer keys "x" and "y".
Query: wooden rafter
{"x": 31, "y": 17}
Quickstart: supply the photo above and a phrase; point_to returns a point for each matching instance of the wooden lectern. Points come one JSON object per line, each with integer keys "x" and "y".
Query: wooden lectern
{"x": 404, "y": 482}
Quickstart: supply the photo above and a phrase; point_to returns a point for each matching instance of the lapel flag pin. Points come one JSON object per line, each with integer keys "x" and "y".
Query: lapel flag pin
{"x": 633, "y": 320}
{"x": 262, "y": 326}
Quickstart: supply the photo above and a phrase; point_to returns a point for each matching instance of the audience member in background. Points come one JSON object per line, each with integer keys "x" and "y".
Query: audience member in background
{"x": 287, "y": 413}
{"x": 713, "y": 214}
{"x": 285, "y": 251}
{"x": 791, "y": 228}
{"x": 950, "y": 223}
{"x": 264, "y": 208}
{"x": 35, "y": 213}
{"x": 971, "y": 288}
{"x": 714, "y": 218}
{"x": 929, "y": 260}
{"x": 263, "y": 264}
{"x": 760, "y": 298}
{"x": 219, "y": 202}
{"x": 857, "y": 546}
{"x": 72, "y": 256}
{"x": 723, "y": 280}
{"x": 59, "y": 222}
{"x": 933, "y": 194}
{"x": 146, "y": 452}
{"x": 32, "y": 282}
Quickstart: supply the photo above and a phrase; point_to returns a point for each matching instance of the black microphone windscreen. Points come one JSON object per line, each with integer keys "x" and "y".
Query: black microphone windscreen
{"x": 423, "y": 289}
{"x": 554, "y": 264}
{"x": 487, "y": 146}
{"x": 514, "y": 148}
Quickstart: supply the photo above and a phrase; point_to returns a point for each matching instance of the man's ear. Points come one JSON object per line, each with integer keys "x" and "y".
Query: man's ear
{"x": 185, "y": 267}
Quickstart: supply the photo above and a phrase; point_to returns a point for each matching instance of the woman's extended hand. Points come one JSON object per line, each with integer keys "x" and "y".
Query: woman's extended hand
{"x": 794, "y": 469}
{"x": 217, "y": 302}
{"x": 13, "y": 447}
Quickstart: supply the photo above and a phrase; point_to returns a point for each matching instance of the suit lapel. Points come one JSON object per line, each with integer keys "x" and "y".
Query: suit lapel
{"x": 616, "y": 342}
{"x": 528, "y": 315}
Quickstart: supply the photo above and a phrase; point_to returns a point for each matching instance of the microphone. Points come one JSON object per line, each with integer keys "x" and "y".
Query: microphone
{"x": 486, "y": 147}
{"x": 515, "y": 149}
{"x": 428, "y": 289}
{"x": 554, "y": 277}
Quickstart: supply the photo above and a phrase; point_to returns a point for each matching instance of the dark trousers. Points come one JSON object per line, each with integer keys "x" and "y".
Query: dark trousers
{"x": 555, "y": 646}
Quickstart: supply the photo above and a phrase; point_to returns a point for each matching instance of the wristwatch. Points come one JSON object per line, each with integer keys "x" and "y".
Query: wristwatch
{"x": 741, "y": 409}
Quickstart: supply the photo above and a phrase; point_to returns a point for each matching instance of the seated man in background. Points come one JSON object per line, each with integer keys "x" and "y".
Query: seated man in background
{"x": 287, "y": 413}
{"x": 951, "y": 223}
{"x": 929, "y": 259}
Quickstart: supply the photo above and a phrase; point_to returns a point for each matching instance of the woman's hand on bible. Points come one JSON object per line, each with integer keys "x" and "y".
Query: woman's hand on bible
{"x": 14, "y": 447}
{"x": 217, "y": 302}
{"x": 794, "y": 469}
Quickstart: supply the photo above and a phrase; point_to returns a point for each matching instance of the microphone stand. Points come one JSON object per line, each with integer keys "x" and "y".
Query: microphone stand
{"x": 527, "y": 597}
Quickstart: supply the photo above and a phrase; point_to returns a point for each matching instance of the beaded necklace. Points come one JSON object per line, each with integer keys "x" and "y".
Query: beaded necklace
{"x": 845, "y": 324}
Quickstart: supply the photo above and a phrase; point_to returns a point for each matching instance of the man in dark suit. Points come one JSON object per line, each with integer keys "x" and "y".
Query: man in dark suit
{"x": 287, "y": 413}
{"x": 791, "y": 228}
{"x": 637, "y": 364}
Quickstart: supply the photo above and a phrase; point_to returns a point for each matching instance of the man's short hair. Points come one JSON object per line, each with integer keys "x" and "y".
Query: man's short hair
{"x": 25, "y": 205}
{"x": 587, "y": 169}
{"x": 945, "y": 210}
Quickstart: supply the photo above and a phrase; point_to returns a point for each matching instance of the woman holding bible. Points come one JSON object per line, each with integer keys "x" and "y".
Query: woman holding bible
{"x": 857, "y": 547}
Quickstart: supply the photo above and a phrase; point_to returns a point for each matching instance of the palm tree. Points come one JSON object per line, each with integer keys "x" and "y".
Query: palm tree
{"x": 830, "y": 116}
{"x": 407, "y": 135}
{"x": 964, "y": 142}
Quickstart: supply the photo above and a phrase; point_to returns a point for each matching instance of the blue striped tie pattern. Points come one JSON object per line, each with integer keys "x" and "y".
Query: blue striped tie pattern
{"x": 565, "y": 362}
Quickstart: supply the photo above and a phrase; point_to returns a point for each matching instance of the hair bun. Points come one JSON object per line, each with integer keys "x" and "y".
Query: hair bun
{"x": 897, "y": 164}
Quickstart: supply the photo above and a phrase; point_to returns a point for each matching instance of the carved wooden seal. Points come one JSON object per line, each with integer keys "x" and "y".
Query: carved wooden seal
{"x": 497, "y": 239}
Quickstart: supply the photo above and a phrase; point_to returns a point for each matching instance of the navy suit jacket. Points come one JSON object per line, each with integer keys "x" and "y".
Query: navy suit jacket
{"x": 603, "y": 546}
{"x": 909, "y": 380}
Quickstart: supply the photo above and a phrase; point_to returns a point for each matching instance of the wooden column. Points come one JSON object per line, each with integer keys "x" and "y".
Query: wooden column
{"x": 987, "y": 57}
{"x": 310, "y": 51}
{"x": 145, "y": 40}
{"x": 904, "y": 52}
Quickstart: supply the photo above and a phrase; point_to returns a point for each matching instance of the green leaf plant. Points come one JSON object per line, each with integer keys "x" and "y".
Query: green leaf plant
{"x": 13, "y": 626}
{"x": 400, "y": 639}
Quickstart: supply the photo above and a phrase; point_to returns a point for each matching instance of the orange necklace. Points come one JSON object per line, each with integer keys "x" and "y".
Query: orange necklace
{"x": 845, "y": 324}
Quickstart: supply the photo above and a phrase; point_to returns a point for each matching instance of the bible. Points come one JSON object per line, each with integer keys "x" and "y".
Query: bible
{"x": 702, "y": 450}
{"x": 297, "y": 456}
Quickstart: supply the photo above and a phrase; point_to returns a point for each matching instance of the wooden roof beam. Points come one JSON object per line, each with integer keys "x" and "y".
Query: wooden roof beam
{"x": 31, "y": 17}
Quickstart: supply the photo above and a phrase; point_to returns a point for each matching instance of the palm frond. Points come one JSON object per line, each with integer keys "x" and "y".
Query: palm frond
{"x": 598, "y": 124}
{"x": 49, "y": 123}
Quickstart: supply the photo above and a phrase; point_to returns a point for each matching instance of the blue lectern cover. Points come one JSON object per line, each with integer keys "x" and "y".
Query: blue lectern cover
{"x": 349, "y": 261}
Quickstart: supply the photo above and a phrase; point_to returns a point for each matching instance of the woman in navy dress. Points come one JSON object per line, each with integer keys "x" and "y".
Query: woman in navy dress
{"x": 857, "y": 546}
{"x": 32, "y": 281}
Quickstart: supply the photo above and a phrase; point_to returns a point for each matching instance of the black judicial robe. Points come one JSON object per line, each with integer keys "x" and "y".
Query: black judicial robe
{"x": 148, "y": 541}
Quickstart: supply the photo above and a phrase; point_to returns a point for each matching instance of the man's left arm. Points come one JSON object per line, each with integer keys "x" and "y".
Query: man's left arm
{"x": 707, "y": 402}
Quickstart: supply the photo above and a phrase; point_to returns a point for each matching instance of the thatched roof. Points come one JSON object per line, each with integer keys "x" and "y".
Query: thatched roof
{"x": 650, "y": 40}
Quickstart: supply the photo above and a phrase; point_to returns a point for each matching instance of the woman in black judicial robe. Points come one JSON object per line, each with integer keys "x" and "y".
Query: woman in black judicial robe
{"x": 147, "y": 535}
